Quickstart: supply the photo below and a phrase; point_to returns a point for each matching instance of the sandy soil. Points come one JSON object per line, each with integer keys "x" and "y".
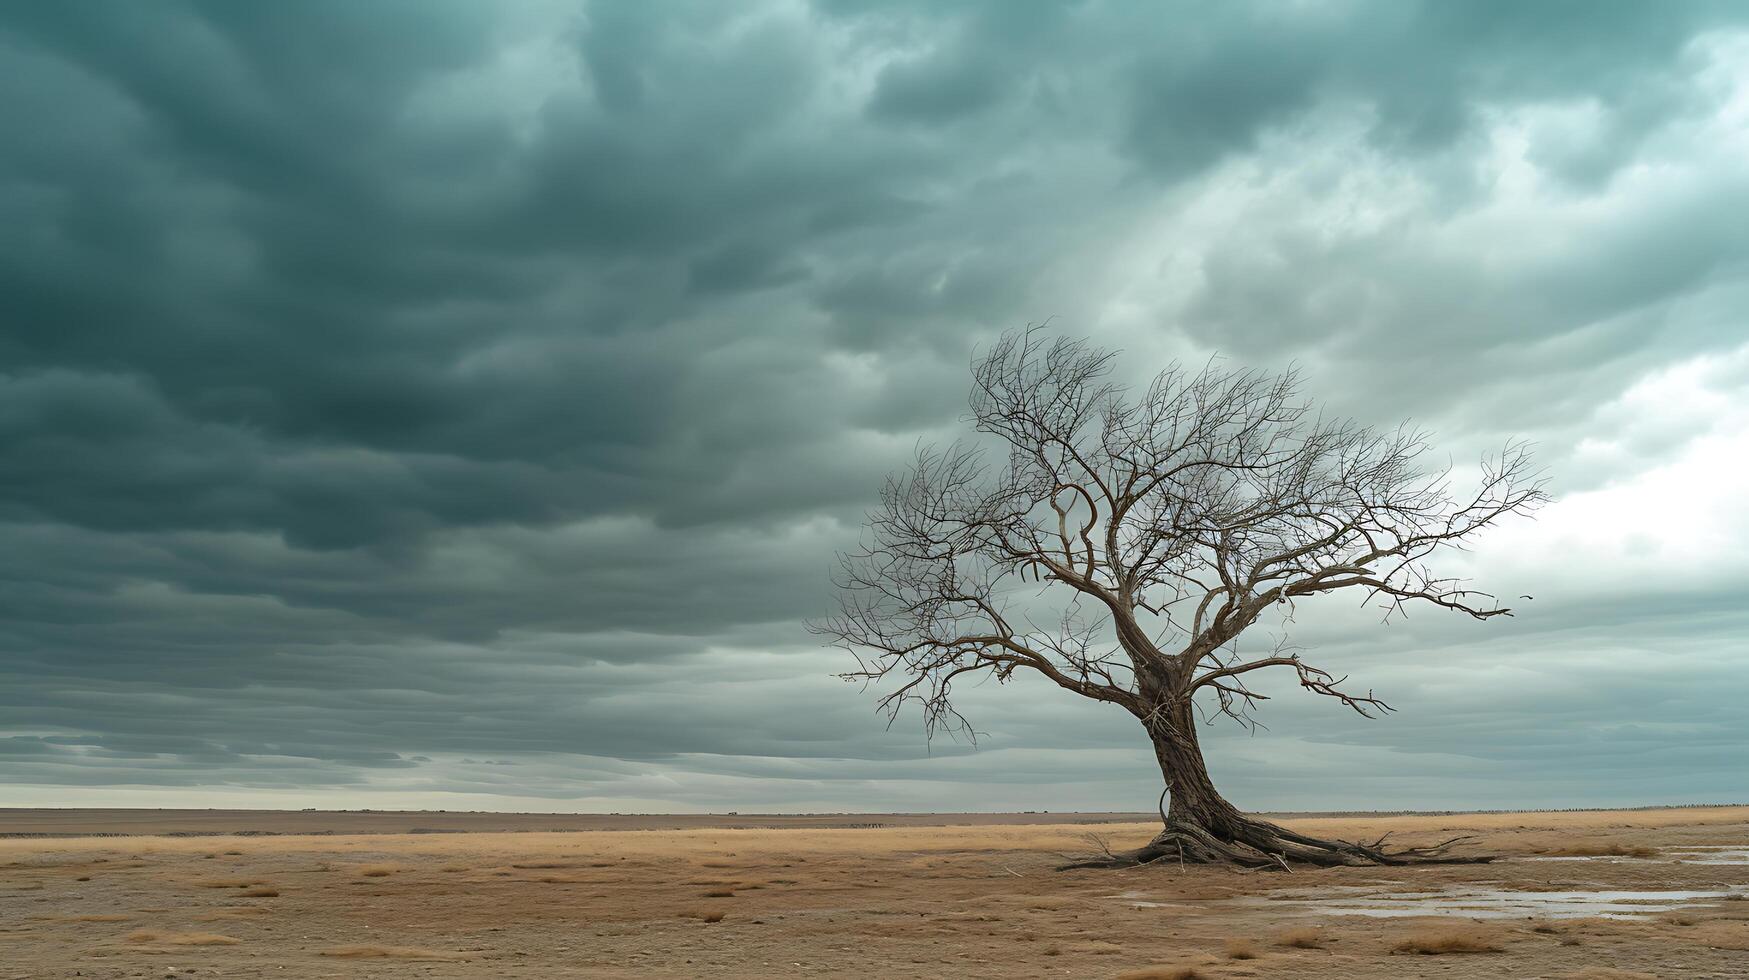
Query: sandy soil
{"x": 910, "y": 901}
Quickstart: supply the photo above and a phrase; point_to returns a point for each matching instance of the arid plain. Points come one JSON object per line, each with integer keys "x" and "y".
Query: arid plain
{"x": 1646, "y": 893}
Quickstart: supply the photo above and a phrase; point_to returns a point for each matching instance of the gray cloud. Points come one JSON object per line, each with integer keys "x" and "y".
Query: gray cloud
{"x": 461, "y": 399}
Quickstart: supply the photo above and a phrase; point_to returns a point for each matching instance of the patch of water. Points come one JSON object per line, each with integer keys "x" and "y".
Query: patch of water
{"x": 1495, "y": 903}
{"x": 1712, "y": 854}
{"x": 1606, "y": 858}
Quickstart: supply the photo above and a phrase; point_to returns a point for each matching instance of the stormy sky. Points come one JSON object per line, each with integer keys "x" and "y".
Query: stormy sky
{"x": 453, "y": 404}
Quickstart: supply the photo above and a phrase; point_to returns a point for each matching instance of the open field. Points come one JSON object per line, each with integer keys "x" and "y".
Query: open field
{"x": 1658, "y": 893}
{"x": 78, "y": 823}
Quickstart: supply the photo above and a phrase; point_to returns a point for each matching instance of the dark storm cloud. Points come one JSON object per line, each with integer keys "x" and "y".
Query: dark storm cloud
{"x": 396, "y": 382}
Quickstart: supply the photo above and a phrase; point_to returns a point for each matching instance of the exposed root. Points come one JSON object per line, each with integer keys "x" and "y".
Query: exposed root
{"x": 1257, "y": 844}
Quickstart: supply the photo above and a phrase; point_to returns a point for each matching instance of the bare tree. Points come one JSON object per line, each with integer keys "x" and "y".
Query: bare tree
{"x": 1170, "y": 519}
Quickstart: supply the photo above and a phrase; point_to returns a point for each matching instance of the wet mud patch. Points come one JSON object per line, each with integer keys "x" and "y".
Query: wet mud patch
{"x": 1480, "y": 901}
{"x": 1715, "y": 854}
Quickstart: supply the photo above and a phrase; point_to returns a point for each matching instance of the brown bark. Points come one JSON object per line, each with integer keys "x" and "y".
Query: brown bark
{"x": 1193, "y": 796}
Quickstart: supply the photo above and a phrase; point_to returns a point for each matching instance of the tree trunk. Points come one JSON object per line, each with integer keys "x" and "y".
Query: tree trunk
{"x": 1194, "y": 799}
{"x": 1203, "y": 828}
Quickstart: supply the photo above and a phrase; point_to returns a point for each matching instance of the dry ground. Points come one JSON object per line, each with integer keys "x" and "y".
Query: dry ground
{"x": 912, "y": 901}
{"x": 20, "y": 821}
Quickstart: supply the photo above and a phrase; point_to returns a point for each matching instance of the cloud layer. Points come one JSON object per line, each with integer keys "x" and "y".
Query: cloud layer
{"x": 427, "y": 401}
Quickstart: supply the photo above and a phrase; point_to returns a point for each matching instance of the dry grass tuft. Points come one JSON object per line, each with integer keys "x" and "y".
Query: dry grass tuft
{"x": 1602, "y": 849}
{"x": 260, "y": 893}
{"x": 1162, "y": 973}
{"x": 378, "y": 870}
{"x": 1722, "y": 934}
{"x": 389, "y": 953}
{"x": 1307, "y": 937}
{"x": 1241, "y": 949}
{"x": 1455, "y": 939}
{"x": 181, "y": 938}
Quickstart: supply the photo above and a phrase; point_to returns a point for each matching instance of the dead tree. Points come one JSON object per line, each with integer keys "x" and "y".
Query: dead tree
{"x": 1171, "y": 518}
